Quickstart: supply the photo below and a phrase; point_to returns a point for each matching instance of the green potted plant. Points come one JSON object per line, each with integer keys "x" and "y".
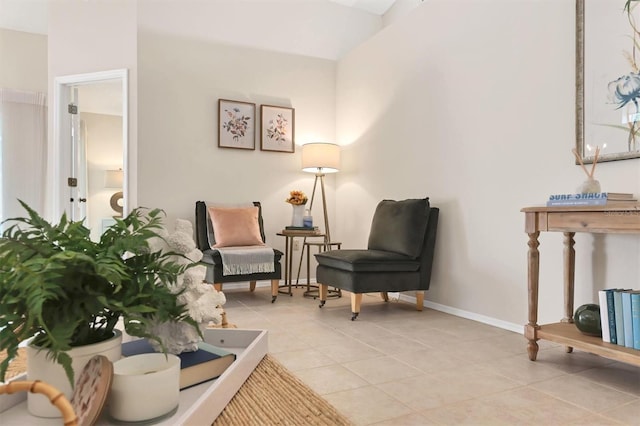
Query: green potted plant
{"x": 64, "y": 290}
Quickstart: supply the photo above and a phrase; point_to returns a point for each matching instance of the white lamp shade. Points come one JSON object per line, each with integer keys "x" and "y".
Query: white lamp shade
{"x": 320, "y": 157}
{"x": 113, "y": 178}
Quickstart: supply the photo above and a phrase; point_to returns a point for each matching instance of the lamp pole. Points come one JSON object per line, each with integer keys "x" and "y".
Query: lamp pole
{"x": 320, "y": 158}
{"x": 327, "y": 238}
{"x": 327, "y": 234}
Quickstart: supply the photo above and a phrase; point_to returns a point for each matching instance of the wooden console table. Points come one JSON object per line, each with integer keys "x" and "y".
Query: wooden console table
{"x": 621, "y": 218}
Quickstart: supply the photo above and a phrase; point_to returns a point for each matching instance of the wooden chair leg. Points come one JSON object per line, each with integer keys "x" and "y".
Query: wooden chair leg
{"x": 385, "y": 296}
{"x": 356, "y": 300}
{"x": 323, "y": 290}
{"x": 217, "y": 286}
{"x": 252, "y": 285}
{"x": 419, "y": 300}
{"x": 274, "y": 289}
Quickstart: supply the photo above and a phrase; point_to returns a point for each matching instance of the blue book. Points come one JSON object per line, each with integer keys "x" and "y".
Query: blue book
{"x": 583, "y": 202}
{"x": 617, "y": 307}
{"x": 611, "y": 314}
{"x": 590, "y": 199}
{"x": 579, "y": 197}
{"x": 635, "y": 318}
{"x": 626, "y": 318}
{"x": 207, "y": 363}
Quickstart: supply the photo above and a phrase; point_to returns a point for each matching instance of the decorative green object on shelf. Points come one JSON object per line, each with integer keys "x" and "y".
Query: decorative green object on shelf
{"x": 587, "y": 319}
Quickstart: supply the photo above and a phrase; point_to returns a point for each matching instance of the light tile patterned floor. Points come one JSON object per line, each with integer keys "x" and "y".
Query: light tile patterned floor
{"x": 397, "y": 366}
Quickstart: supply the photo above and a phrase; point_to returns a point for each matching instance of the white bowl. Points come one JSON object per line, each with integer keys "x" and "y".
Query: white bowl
{"x": 144, "y": 387}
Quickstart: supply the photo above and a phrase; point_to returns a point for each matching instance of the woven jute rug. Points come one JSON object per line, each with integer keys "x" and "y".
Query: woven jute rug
{"x": 17, "y": 366}
{"x": 272, "y": 395}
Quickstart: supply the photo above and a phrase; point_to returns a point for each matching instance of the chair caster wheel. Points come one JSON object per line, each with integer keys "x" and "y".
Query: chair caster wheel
{"x": 354, "y": 315}
{"x": 273, "y": 298}
{"x": 322, "y": 302}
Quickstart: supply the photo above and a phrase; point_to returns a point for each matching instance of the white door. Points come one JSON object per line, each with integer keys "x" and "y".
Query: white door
{"x": 77, "y": 182}
{"x": 81, "y": 157}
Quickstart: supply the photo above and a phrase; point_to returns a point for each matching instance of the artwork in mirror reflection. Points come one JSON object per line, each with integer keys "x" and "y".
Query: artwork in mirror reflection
{"x": 608, "y": 79}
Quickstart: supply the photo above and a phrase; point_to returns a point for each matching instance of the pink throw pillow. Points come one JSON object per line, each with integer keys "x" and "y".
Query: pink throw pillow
{"x": 235, "y": 226}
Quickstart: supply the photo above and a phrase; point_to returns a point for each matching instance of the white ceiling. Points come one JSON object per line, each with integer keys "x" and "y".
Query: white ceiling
{"x": 24, "y": 15}
{"x": 31, "y": 15}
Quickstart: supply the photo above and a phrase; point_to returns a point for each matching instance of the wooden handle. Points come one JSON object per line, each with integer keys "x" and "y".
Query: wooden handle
{"x": 56, "y": 397}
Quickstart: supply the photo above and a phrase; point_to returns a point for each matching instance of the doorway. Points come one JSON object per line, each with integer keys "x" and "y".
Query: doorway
{"x": 90, "y": 146}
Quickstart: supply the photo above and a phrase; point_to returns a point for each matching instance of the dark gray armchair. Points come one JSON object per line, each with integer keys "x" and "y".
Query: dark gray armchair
{"x": 399, "y": 256}
{"x": 212, "y": 259}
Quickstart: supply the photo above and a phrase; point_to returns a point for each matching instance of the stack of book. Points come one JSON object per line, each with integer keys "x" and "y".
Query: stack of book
{"x": 620, "y": 317}
{"x": 613, "y": 197}
{"x": 590, "y": 199}
{"x": 301, "y": 228}
{"x": 302, "y": 231}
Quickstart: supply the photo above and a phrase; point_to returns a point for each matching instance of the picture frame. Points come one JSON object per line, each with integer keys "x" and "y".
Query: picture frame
{"x": 236, "y": 124}
{"x": 277, "y": 128}
{"x": 607, "y": 111}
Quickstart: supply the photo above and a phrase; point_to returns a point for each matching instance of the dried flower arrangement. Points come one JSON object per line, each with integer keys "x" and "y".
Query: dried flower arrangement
{"x": 297, "y": 198}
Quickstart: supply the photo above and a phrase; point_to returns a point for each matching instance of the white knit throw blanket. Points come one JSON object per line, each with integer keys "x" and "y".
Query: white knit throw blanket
{"x": 246, "y": 260}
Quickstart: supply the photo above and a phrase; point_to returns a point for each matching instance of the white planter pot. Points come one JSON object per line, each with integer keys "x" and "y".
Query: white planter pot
{"x": 144, "y": 387}
{"x": 39, "y": 367}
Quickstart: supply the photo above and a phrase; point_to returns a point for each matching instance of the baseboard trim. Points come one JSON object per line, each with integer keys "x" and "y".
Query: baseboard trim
{"x": 517, "y": 328}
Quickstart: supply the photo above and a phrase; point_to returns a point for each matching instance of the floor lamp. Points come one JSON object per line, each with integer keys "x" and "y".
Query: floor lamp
{"x": 321, "y": 158}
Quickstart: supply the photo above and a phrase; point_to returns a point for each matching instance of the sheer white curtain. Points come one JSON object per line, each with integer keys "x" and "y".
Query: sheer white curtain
{"x": 23, "y": 151}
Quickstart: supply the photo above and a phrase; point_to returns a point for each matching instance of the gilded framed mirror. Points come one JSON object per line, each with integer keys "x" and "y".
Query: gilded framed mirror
{"x": 608, "y": 79}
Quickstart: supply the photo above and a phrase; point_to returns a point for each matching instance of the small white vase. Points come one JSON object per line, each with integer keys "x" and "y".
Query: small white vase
{"x": 589, "y": 186}
{"x": 40, "y": 367}
{"x": 154, "y": 377}
{"x": 298, "y": 215}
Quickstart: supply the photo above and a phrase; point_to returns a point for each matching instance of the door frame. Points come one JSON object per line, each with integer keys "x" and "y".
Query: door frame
{"x": 60, "y": 157}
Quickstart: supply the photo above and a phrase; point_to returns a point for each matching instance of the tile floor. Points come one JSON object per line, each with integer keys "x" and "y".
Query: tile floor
{"x": 397, "y": 366}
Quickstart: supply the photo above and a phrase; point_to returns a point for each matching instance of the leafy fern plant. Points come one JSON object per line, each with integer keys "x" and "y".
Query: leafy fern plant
{"x": 65, "y": 290}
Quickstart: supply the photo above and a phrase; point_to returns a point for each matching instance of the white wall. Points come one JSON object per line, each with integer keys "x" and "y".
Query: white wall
{"x": 23, "y": 61}
{"x": 180, "y": 82}
{"x": 86, "y": 37}
{"x": 472, "y": 104}
{"x": 181, "y": 98}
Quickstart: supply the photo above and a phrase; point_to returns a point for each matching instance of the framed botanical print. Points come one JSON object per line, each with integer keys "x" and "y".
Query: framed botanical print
{"x": 236, "y": 124}
{"x": 277, "y": 127}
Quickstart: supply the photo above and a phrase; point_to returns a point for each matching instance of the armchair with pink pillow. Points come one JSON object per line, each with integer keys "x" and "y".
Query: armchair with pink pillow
{"x": 232, "y": 241}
